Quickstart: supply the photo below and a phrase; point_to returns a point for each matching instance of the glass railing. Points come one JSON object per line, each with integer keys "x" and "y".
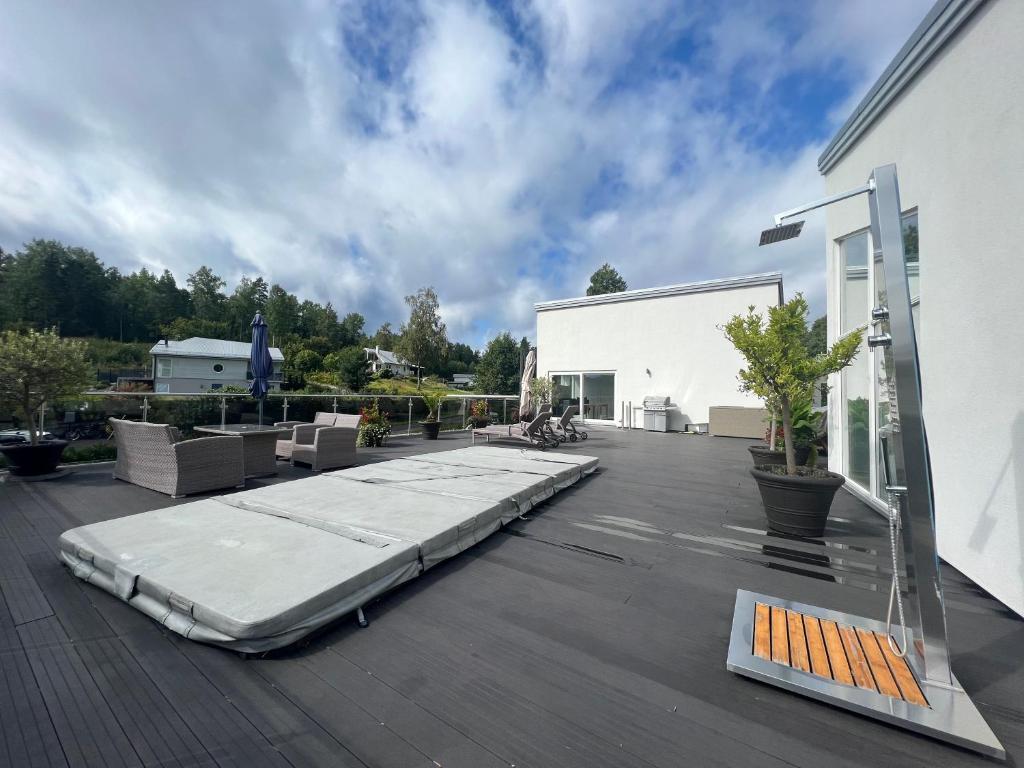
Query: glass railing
{"x": 86, "y": 416}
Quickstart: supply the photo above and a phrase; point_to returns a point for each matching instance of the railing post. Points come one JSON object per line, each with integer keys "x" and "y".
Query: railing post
{"x": 285, "y": 410}
{"x": 42, "y": 418}
{"x": 145, "y": 409}
{"x": 408, "y": 426}
{"x": 504, "y": 411}
{"x": 335, "y": 404}
{"x": 223, "y": 411}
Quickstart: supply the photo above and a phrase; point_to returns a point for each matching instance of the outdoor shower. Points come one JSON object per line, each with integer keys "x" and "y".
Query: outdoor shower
{"x": 929, "y": 699}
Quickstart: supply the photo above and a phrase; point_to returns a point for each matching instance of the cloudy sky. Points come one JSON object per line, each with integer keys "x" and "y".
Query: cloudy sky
{"x": 499, "y": 151}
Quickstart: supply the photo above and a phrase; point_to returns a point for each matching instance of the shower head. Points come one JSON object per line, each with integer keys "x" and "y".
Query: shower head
{"x": 781, "y": 232}
{"x": 788, "y": 231}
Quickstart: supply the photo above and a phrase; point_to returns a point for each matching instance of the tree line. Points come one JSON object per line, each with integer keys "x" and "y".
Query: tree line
{"x": 50, "y": 284}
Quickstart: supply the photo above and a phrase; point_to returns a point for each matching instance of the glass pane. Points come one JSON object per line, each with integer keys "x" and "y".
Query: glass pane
{"x": 855, "y": 306}
{"x": 565, "y": 391}
{"x": 599, "y": 396}
{"x": 912, "y": 252}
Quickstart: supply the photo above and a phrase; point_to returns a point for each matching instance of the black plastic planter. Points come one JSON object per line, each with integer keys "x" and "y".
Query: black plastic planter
{"x": 430, "y": 429}
{"x": 797, "y": 504}
{"x": 762, "y": 454}
{"x": 29, "y": 460}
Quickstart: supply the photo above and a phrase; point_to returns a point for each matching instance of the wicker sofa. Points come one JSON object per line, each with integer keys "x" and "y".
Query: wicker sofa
{"x": 286, "y": 445}
{"x": 154, "y": 456}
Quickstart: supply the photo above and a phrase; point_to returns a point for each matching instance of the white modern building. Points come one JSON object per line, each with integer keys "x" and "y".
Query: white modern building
{"x": 383, "y": 360}
{"x": 949, "y": 112}
{"x": 206, "y": 365}
{"x": 606, "y": 353}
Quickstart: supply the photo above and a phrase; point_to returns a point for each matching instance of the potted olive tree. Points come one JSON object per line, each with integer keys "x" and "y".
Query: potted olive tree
{"x": 431, "y": 426}
{"x": 35, "y": 368}
{"x": 779, "y": 369}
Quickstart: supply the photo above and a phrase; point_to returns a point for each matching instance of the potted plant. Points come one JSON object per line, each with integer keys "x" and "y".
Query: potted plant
{"x": 805, "y": 433}
{"x": 36, "y": 367}
{"x": 479, "y": 414}
{"x": 431, "y": 426}
{"x": 374, "y": 427}
{"x": 779, "y": 369}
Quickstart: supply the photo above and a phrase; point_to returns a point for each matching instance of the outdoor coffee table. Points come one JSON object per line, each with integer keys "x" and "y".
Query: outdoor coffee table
{"x": 259, "y": 444}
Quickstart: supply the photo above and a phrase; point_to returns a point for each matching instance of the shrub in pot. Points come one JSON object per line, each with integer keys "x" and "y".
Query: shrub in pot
{"x": 431, "y": 426}
{"x": 779, "y": 369}
{"x": 479, "y": 413}
{"x": 805, "y": 433}
{"x": 37, "y": 367}
{"x": 374, "y": 426}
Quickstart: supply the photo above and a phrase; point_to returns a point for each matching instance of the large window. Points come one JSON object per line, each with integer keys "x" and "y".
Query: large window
{"x": 163, "y": 367}
{"x": 865, "y": 398}
{"x": 592, "y": 392}
{"x": 855, "y": 304}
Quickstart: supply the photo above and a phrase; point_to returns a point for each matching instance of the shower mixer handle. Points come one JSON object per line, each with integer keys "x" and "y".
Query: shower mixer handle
{"x": 881, "y": 340}
{"x": 880, "y": 313}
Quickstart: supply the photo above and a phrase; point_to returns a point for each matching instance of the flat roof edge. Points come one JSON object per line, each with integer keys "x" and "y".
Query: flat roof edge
{"x": 932, "y": 35}
{"x": 681, "y": 289}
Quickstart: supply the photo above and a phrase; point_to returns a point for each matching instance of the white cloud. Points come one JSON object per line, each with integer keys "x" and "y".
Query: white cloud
{"x": 354, "y": 153}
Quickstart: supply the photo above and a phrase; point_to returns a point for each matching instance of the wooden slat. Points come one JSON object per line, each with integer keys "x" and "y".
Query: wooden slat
{"x": 797, "y": 642}
{"x": 883, "y": 677}
{"x": 816, "y": 647}
{"x": 780, "y": 636}
{"x": 762, "y": 631}
{"x": 909, "y": 688}
{"x": 836, "y": 653}
{"x": 855, "y": 655}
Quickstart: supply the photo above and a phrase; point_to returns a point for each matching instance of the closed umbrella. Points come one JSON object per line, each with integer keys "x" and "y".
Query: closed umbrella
{"x": 260, "y": 361}
{"x": 525, "y": 389}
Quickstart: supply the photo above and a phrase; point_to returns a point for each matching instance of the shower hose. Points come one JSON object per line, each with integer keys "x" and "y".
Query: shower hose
{"x": 895, "y": 594}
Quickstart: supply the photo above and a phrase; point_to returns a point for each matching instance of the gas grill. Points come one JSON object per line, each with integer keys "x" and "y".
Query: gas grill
{"x": 656, "y": 413}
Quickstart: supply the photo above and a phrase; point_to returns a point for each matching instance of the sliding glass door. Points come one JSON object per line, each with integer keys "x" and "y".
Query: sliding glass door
{"x": 592, "y": 392}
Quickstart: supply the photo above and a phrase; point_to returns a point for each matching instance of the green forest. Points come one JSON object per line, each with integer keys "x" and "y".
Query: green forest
{"x": 121, "y": 315}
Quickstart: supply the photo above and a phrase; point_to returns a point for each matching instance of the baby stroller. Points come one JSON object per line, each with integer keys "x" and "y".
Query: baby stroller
{"x": 564, "y": 429}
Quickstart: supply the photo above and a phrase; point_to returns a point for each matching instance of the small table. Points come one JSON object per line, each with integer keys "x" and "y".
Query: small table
{"x": 259, "y": 445}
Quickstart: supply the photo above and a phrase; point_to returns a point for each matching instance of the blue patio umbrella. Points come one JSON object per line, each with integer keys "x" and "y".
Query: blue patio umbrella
{"x": 260, "y": 361}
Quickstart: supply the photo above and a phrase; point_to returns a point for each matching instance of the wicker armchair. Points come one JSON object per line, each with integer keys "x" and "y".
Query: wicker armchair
{"x": 154, "y": 456}
{"x": 324, "y": 447}
{"x": 322, "y": 419}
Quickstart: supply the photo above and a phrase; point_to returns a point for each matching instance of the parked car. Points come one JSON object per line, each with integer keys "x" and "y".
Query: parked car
{"x": 15, "y": 436}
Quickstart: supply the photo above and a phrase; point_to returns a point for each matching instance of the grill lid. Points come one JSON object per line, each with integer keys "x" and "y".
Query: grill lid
{"x": 655, "y": 403}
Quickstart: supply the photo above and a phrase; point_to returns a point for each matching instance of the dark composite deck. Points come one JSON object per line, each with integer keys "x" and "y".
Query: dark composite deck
{"x": 592, "y": 634}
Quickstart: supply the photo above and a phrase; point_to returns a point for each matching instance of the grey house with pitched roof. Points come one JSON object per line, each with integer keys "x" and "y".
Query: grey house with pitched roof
{"x": 206, "y": 365}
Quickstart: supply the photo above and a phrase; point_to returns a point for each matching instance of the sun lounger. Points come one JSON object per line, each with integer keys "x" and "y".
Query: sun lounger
{"x": 564, "y": 429}
{"x": 533, "y": 433}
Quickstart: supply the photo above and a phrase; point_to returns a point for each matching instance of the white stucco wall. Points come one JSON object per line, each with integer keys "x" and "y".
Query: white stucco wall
{"x": 957, "y": 138}
{"x": 676, "y": 337}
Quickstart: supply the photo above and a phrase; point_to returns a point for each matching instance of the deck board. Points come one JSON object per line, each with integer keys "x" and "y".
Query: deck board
{"x": 592, "y": 633}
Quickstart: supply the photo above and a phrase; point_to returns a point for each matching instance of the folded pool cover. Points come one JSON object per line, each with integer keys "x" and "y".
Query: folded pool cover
{"x": 259, "y": 569}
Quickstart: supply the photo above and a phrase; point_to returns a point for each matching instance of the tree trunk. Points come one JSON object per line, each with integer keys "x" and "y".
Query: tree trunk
{"x": 26, "y": 406}
{"x": 787, "y": 433}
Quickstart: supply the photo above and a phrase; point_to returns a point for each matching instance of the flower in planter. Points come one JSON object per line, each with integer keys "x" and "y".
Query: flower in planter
{"x": 479, "y": 412}
{"x": 374, "y": 426}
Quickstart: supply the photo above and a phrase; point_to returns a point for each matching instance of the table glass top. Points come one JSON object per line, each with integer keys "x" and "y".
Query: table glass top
{"x": 239, "y": 429}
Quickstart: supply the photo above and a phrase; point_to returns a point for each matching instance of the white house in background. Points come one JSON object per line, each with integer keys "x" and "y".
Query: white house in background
{"x": 949, "y": 113}
{"x": 206, "y": 365}
{"x": 606, "y": 352}
{"x": 463, "y": 380}
{"x": 383, "y": 360}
